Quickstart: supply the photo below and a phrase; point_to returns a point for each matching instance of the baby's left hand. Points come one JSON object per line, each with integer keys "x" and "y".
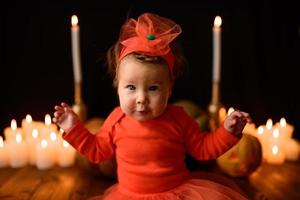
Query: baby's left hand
{"x": 236, "y": 122}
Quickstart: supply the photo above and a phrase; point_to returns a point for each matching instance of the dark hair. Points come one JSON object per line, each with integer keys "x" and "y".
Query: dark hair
{"x": 179, "y": 67}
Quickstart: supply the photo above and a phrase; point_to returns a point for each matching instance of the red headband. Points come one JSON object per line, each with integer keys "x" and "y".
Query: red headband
{"x": 151, "y": 35}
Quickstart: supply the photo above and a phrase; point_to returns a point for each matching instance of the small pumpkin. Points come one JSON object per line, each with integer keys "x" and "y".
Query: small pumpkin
{"x": 107, "y": 168}
{"x": 243, "y": 158}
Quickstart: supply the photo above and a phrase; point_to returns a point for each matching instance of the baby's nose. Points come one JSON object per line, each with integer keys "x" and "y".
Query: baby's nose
{"x": 141, "y": 98}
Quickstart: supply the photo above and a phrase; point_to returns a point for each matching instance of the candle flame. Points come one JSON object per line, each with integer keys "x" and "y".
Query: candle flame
{"x": 35, "y": 133}
{"x": 53, "y": 136}
{"x": 47, "y": 119}
{"x": 13, "y": 124}
{"x": 18, "y": 138}
{"x": 230, "y": 110}
{"x": 74, "y": 20}
{"x": 218, "y": 21}
{"x": 275, "y": 133}
{"x": 260, "y": 130}
{"x": 28, "y": 118}
{"x": 275, "y": 149}
{"x": 269, "y": 124}
{"x": 282, "y": 122}
{"x": 61, "y": 130}
{"x": 1, "y": 142}
{"x": 44, "y": 143}
{"x": 65, "y": 144}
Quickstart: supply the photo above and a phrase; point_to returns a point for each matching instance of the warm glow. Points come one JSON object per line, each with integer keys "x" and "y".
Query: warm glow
{"x": 1, "y": 142}
{"x": 282, "y": 122}
{"x": 269, "y": 124}
{"x": 275, "y": 149}
{"x": 35, "y": 133}
{"x": 47, "y": 119}
{"x": 260, "y": 130}
{"x": 275, "y": 133}
{"x": 222, "y": 113}
{"x": 61, "y": 130}
{"x": 18, "y": 138}
{"x": 44, "y": 143}
{"x": 28, "y": 118}
{"x": 53, "y": 136}
{"x": 65, "y": 144}
{"x": 13, "y": 124}
{"x": 230, "y": 110}
{"x": 74, "y": 20}
{"x": 218, "y": 21}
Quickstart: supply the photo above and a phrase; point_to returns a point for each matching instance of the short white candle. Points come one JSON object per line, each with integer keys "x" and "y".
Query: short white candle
{"x": 276, "y": 155}
{"x": 75, "y": 34}
{"x": 10, "y": 132}
{"x": 285, "y": 128}
{"x": 217, "y": 49}
{"x": 44, "y": 158}
{"x": 66, "y": 156}
{"x": 3, "y": 153}
{"x": 32, "y": 143}
{"x": 18, "y": 150}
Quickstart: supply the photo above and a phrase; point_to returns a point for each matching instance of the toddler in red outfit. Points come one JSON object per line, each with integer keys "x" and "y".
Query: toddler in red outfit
{"x": 148, "y": 136}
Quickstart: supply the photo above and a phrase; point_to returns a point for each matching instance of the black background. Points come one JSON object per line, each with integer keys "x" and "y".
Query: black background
{"x": 260, "y": 55}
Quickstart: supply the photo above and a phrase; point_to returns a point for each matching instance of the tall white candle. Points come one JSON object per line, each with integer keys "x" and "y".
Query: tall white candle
{"x": 76, "y": 49}
{"x": 217, "y": 49}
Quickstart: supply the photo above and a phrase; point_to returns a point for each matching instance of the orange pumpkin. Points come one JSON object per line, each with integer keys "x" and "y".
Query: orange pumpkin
{"x": 243, "y": 158}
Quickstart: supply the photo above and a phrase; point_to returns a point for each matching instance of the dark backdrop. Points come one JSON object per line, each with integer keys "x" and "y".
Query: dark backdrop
{"x": 260, "y": 55}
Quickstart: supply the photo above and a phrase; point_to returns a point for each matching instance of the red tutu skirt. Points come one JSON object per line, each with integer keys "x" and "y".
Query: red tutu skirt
{"x": 205, "y": 186}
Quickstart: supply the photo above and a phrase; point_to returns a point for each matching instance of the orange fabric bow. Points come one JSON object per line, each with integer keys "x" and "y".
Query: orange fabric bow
{"x": 150, "y": 34}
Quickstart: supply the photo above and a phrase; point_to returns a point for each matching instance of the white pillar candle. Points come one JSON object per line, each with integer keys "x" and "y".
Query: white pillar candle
{"x": 32, "y": 142}
{"x": 44, "y": 159}
{"x": 275, "y": 155}
{"x": 27, "y": 126}
{"x": 285, "y": 128}
{"x": 18, "y": 151}
{"x": 3, "y": 153}
{"x": 217, "y": 49}
{"x": 66, "y": 156}
{"x": 75, "y": 35}
{"x": 48, "y": 127}
{"x": 10, "y": 132}
{"x": 291, "y": 149}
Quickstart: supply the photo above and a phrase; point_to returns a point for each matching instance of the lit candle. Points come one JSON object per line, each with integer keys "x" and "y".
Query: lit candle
{"x": 276, "y": 156}
{"x": 48, "y": 128}
{"x": 44, "y": 158}
{"x": 217, "y": 49}
{"x": 3, "y": 153}
{"x": 285, "y": 128}
{"x": 10, "y": 132}
{"x": 76, "y": 49}
{"x": 18, "y": 152}
{"x": 32, "y": 143}
{"x": 66, "y": 155}
{"x": 27, "y": 126}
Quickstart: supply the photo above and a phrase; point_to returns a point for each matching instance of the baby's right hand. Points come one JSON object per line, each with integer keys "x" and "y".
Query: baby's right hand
{"x": 64, "y": 116}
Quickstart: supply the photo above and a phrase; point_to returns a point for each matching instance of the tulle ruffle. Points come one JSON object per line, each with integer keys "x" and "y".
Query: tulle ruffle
{"x": 192, "y": 189}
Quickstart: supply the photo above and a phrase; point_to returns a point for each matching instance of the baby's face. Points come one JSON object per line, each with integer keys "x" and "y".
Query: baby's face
{"x": 143, "y": 88}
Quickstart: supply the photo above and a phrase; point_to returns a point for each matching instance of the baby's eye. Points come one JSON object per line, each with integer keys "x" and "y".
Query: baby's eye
{"x": 153, "y": 88}
{"x": 130, "y": 87}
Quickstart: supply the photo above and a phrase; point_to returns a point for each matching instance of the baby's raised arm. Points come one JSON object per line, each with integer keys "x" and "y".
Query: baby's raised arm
{"x": 64, "y": 116}
{"x": 236, "y": 122}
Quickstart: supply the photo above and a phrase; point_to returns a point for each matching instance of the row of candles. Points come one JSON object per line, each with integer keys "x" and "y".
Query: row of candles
{"x": 36, "y": 143}
{"x": 278, "y": 144}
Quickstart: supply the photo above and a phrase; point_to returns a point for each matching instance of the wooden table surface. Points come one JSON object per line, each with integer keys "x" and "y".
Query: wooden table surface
{"x": 268, "y": 182}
